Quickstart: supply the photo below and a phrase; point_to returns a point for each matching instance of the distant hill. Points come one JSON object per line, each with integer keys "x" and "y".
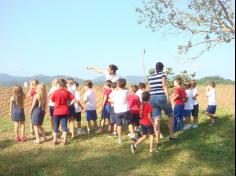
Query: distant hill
{"x": 216, "y": 79}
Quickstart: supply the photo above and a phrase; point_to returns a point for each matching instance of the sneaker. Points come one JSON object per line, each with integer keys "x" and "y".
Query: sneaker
{"x": 133, "y": 148}
{"x": 195, "y": 126}
{"x": 187, "y": 127}
{"x": 120, "y": 142}
{"x": 17, "y": 139}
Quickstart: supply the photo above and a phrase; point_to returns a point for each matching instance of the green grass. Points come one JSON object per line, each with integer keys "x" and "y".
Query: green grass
{"x": 203, "y": 151}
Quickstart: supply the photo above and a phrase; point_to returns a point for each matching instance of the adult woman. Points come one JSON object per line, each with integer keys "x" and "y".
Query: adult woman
{"x": 110, "y": 73}
{"x": 160, "y": 100}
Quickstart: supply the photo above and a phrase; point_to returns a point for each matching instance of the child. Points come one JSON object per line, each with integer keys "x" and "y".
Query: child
{"x": 78, "y": 108}
{"x": 112, "y": 112}
{"x": 32, "y": 93}
{"x": 179, "y": 99}
{"x": 121, "y": 107}
{"x": 90, "y": 101}
{"x": 134, "y": 103}
{"x": 55, "y": 86}
{"x": 38, "y": 112}
{"x": 211, "y": 109}
{"x": 71, "y": 87}
{"x": 147, "y": 123}
{"x": 17, "y": 113}
{"x": 195, "y": 110}
{"x": 61, "y": 110}
{"x": 142, "y": 88}
{"x": 188, "y": 106}
{"x": 106, "y": 106}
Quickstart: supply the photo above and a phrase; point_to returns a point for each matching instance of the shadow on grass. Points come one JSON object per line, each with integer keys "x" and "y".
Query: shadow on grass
{"x": 6, "y": 144}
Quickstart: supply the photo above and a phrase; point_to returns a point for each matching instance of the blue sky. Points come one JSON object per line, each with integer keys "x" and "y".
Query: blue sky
{"x": 64, "y": 37}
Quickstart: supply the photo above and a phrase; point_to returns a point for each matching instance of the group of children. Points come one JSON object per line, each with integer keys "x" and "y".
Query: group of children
{"x": 120, "y": 107}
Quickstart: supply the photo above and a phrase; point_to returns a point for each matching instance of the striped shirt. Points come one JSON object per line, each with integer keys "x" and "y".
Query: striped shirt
{"x": 155, "y": 82}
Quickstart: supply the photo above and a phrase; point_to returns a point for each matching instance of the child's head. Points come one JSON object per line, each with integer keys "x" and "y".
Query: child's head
{"x": 194, "y": 83}
{"x": 134, "y": 88}
{"x": 109, "y": 83}
{"x": 142, "y": 86}
{"x": 114, "y": 85}
{"x": 213, "y": 84}
{"x": 112, "y": 69}
{"x": 88, "y": 84}
{"x": 62, "y": 83}
{"x": 177, "y": 82}
{"x": 34, "y": 83}
{"x": 146, "y": 96}
{"x": 121, "y": 83}
{"x": 77, "y": 86}
{"x": 55, "y": 82}
{"x": 70, "y": 81}
{"x": 187, "y": 84}
{"x": 19, "y": 96}
{"x": 42, "y": 93}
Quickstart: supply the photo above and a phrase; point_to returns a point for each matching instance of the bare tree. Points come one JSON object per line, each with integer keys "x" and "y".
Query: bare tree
{"x": 209, "y": 22}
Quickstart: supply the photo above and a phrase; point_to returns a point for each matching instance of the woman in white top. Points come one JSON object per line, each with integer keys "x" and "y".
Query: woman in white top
{"x": 109, "y": 73}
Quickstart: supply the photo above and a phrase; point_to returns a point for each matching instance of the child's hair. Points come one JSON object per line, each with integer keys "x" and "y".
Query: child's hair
{"x": 42, "y": 95}
{"x": 34, "y": 83}
{"x": 142, "y": 86}
{"x": 70, "y": 80}
{"x": 113, "y": 67}
{"x": 62, "y": 83}
{"x": 77, "y": 84}
{"x": 187, "y": 84}
{"x": 134, "y": 88}
{"x": 213, "y": 84}
{"x": 121, "y": 83}
{"x": 55, "y": 82}
{"x": 88, "y": 84}
{"x": 146, "y": 96}
{"x": 179, "y": 81}
{"x": 18, "y": 96}
{"x": 109, "y": 83}
{"x": 159, "y": 67}
{"x": 114, "y": 85}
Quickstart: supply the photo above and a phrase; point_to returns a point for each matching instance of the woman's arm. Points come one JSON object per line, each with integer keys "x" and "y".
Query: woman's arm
{"x": 98, "y": 70}
{"x": 165, "y": 87}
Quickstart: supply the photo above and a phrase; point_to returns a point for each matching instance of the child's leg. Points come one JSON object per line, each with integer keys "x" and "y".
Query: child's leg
{"x": 157, "y": 130}
{"x": 36, "y": 130}
{"x": 22, "y": 126}
{"x": 88, "y": 126}
{"x": 79, "y": 124}
{"x": 56, "y": 122}
{"x": 95, "y": 124}
{"x": 72, "y": 126}
{"x": 42, "y": 131}
{"x": 102, "y": 124}
{"x": 64, "y": 121}
{"x": 119, "y": 132}
{"x": 151, "y": 143}
{"x": 131, "y": 128}
{"x": 52, "y": 124}
{"x": 17, "y": 129}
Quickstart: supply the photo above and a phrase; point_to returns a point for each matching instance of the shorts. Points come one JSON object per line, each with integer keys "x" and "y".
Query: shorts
{"x": 187, "y": 113}
{"x": 71, "y": 111}
{"x": 106, "y": 112}
{"x": 60, "y": 119}
{"x": 51, "y": 110}
{"x": 112, "y": 116}
{"x": 195, "y": 110}
{"x": 38, "y": 116}
{"x": 159, "y": 102}
{"x": 211, "y": 109}
{"x": 135, "y": 118}
{"x": 123, "y": 118}
{"x": 78, "y": 116}
{"x": 91, "y": 115}
{"x": 147, "y": 130}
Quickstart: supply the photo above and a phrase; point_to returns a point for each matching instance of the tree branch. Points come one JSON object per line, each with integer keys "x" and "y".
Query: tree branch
{"x": 226, "y": 13}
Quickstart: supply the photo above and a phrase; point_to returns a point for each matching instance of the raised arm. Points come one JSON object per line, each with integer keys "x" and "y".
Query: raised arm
{"x": 33, "y": 104}
{"x": 97, "y": 70}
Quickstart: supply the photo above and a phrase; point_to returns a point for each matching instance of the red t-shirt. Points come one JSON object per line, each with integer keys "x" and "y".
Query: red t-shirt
{"x": 182, "y": 95}
{"x": 61, "y": 97}
{"x": 146, "y": 110}
{"x": 106, "y": 93}
{"x": 33, "y": 92}
{"x": 134, "y": 103}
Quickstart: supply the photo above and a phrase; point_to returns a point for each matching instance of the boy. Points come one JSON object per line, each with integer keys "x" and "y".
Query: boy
{"x": 90, "y": 101}
{"x": 142, "y": 88}
{"x": 195, "y": 110}
{"x": 211, "y": 109}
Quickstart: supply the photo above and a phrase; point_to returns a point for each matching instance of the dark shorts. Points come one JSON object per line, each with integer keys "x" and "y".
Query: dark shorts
{"x": 147, "y": 129}
{"x": 187, "y": 113}
{"x": 60, "y": 119}
{"x": 211, "y": 109}
{"x": 38, "y": 116}
{"x": 135, "y": 118}
{"x": 123, "y": 118}
{"x": 78, "y": 116}
{"x": 195, "y": 111}
{"x": 71, "y": 111}
{"x": 91, "y": 115}
{"x": 106, "y": 112}
{"x": 112, "y": 116}
{"x": 18, "y": 116}
{"x": 51, "y": 110}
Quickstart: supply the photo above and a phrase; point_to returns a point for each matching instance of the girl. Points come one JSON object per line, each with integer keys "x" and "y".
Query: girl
{"x": 17, "y": 113}
{"x": 38, "y": 112}
{"x": 147, "y": 123}
{"x": 32, "y": 93}
{"x": 195, "y": 110}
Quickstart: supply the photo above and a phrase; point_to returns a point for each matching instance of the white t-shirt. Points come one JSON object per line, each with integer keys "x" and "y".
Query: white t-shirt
{"x": 111, "y": 97}
{"x": 195, "y": 92}
{"x": 90, "y": 99}
{"x": 71, "y": 88}
{"x": 139, "y": 94}
{"x": 110, "y": 77}
{"x": 188, "y": 105}
{"x": 51, "y": 91}
{"x": 77, "y": 98}
{"x": 120, "y": 99}
{"x": 211, "y": 94}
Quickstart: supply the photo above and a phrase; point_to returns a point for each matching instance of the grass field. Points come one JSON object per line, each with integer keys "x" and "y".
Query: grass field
{"x": 203, "y": 151}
